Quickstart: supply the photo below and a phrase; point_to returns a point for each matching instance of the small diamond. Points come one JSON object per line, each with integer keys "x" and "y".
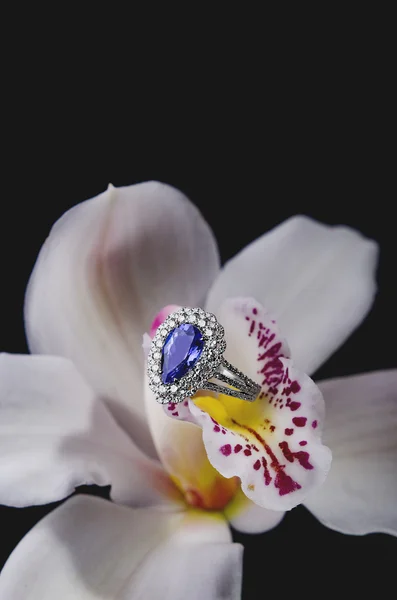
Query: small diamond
{"x": 156, "y": 355}
{"x": 208, "y": 331}
{"x": 212, "y": 318}
{"x": 171, "y": 324}
{"x": 174, "y": 388}
{"x": 213, "y": 343}
{"x": 192, "y": 319}
{"x": 159, "y": 344}
{"x": 162, "y": 389}
{"x": 201, "y": 323}
{"x": 181, "y": 318}
{"x": 156, "y": 379}
{"x": 155, "y": 368}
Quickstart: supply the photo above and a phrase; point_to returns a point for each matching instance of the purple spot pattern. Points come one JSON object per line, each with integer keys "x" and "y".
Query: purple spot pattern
{"x": 282, "y": 392}
{"x": 179, "y": 411}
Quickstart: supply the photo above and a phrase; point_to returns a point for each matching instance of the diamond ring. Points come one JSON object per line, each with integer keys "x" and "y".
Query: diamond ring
{"x": 186, "y": 353}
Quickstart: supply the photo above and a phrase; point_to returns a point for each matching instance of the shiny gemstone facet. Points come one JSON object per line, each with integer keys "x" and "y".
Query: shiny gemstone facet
{"x": 182, "y": 349}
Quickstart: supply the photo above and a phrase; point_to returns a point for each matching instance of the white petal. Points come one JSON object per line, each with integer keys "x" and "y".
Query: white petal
{"x": 91, "y": 549}
{"x": 317, "y": 280}
{"x": 247, "y": 517}
{"x": 360, "y": 494}
{"x": 55, "y": 435}
{"x": 107, "y": 267}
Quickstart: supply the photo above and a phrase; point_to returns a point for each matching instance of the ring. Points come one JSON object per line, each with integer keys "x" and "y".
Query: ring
{"x": 186, "y": 353}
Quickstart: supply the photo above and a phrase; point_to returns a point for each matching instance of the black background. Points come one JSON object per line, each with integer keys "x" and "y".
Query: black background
{"x": 251, "y": 143}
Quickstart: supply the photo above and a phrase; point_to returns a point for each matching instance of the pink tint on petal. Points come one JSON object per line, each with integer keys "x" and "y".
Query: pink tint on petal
{"x": 161, "y": 317}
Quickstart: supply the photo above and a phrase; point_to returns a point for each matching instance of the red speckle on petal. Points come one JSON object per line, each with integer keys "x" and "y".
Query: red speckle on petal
{"x": 247, "y": 452}
{"x": 303, "y": 459}
{"x": 295, "y": 387}
{"x": 255, "y": 311}
{"x": 266, "y": 473}
{"x": 226, "y": 449}
{"x": 303, "y": 443}
{"x": 252, "y": 327}
{"x": 217, "y": 428}
{"x": 285, "y": 484}
{"x": 237, "y": 448}
{"x": 286, "y": 451}
{"x": 294, "y": 405}
{"x": 257, "y": 465}
{"x": 288, "y": 431}
{"x": 299, "y": 421}
{"x": 247, "y": 318}
{"x": 175, "y": 414}
{"x": 275, "y": 363}
{"x": 314, "y": 424}
{"x": 272, "y": 428}
{"x": 301, "y": 456}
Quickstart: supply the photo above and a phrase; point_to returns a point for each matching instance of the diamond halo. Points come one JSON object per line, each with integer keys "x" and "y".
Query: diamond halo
{"x": 205, "y": 367}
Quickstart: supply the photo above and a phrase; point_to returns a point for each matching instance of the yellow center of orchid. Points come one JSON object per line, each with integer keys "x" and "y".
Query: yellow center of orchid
{"x": 189, "y": 468}
{"x": 207, "y": 489}
{"x": 203, "y": 486}
{"x": 247, "y": 418}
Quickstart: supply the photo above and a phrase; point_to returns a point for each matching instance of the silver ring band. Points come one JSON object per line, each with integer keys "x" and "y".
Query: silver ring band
{"x": 245, "y": 388}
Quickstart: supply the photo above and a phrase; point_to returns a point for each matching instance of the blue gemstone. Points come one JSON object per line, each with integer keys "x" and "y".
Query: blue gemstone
{"x": 181, "y": 351}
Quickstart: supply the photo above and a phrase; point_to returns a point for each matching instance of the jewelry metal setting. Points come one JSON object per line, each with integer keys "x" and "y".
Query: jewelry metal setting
{"x": 209, "y": 366}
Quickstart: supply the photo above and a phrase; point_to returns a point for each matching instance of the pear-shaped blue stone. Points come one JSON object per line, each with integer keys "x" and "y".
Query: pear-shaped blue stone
{"x": 182, "y": 349}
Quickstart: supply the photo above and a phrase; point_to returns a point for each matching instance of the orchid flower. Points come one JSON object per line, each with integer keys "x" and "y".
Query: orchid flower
{"x": 80, "y": 411}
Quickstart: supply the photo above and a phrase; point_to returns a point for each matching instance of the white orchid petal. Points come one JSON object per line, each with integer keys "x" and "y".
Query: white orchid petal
{"x": 247, "y": 517}
{"x": 55, "y": 435}
{"x": 273, "y": 444}
{"x": 107, "y": 267}
{"x": 317, "y": 280}
{"x": 360, "y": 493}
{"x": 91, "y": 549}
